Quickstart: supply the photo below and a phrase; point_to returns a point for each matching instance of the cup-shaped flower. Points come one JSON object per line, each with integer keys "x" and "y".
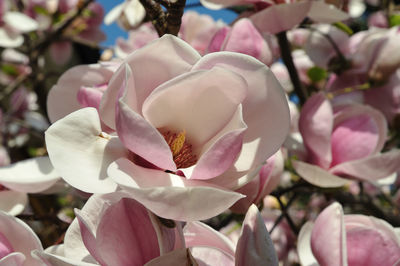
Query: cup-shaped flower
{"x": 17, "y": 240}
{"x": 113, "y": 229}
{"x": 186, "y": 126}
{"x": 343, "y": 141}
{"x": 338, "y": 239}
{"x": 254, "y": 245}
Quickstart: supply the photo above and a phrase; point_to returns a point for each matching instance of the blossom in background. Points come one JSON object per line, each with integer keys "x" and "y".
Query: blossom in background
{"x": 197, "y": 126}
{"x": 128, "y": 14}
{"x": 243, "y": 37}
{"x": 17, "y": 240}
{"x": 343, "y": 141}
{"x": 338, "y": 239}
{"x": 253, "y": 246}
{"x": 113, "y": 229}
{"x": 12, "y": 25}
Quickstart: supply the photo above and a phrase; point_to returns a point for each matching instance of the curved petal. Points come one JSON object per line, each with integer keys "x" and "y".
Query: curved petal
{"x": 81, "y": 153}
{"x": 212, "y": 256}
{"x": 125, "y": 235}
{"x": 14, "y": 230}
{"x": 264, "y": 100}
{"x": 177, "y": 257}
{"x": 326, "y": 13}
{"x": 328, "y": 237}
{"x": 219, "y": 4}
{"x": 20, "y": 21}
{"x": 379, "y": 120}
{"x": 62, "y": 98}
{"x": 30, "y": 176}
{"x": 114, "y": 14}
{"x": 53, "y": 259}
{"x": 142, "y": 138}
{"x": 199, "y": 234}
{"x": 318, "y": 176}
{"x": 13, "y": 202}
{"x": 13, "y": 259}
{"x": 315, "y": 125}
{"x": 255, "y": 246}
{"x": 171, "y": 196}
{"x": 161, "y": 60}
{"x": 304, "y": 251}
{"x": 199, "y": 102}
{"x": 372, "y": 168}
{"x": 281, "y": 17}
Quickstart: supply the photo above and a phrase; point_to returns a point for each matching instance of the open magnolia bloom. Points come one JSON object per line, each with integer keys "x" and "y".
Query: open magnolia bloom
{"x": 254, "y": 246}
{"x": 17, "y": 240}
{"x": 188, "y": 130}
{"x": 338, "y": 239}
{"x": 112, "y": 229}
{"x": 274, "y": 16}
{"x": 12, "y": 25}
{"x": 343, "y": 141}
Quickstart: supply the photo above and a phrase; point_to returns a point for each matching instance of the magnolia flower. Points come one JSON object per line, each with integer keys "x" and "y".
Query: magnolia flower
{"x": 17, "y": 240}
{"x": 254, "y": 245}
{"x": 244, "y": 38}
{"x": 337, "y": 239}
{"x": 343, "y": 141}
{"x": 12, "y": 25}
{"x": 263, "y": 184}
{"x": 128, "y": 15}
{"x": 113, "y": 229}
{"x": 185, "y": 127}
{"x": 277, "y": 16}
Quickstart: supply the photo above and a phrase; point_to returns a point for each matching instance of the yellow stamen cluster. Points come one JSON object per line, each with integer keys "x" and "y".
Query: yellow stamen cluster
{"x": 181, "y": 150}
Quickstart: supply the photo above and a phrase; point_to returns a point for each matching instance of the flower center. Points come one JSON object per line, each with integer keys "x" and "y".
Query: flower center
{"x": 181, "y": 150}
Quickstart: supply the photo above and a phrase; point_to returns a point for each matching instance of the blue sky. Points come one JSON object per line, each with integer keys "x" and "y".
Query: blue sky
{"x": 113, "y": 31}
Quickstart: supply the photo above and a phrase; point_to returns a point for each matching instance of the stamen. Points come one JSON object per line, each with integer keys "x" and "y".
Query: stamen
{"x": 181, "y": 150}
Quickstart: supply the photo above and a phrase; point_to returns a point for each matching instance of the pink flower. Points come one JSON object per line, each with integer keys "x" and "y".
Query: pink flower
{"x": 277, "y": 16}
{"x": 263, "y": 184}
{"x": 17, "y": 240}
{"x": 244, "y": 38}
{"x": 210, "y": 247}
{"x": 337, "y": 239}
{"x": 113, "y": 229}
{"x": 185, "y": 127}
{"x": 344, "y": 141}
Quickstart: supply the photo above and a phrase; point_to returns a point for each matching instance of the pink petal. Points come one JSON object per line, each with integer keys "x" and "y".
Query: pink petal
{"x": 217, "y": 42}
{"x": 176, "y": 257}
{"x": 326, "y": 13}
{"x": 255, "y": 246}
{"x": 91, "y": 96}
{"x": 328, "y": 237}
{"x": 142, "y": 138}
{"x": 171, "y": 196}
{"x": 125, "y": 235}
{"x": 200, "y": 234}
{"x": 317, "y": 176}
{"x": 212, "y": 256}
{"x": 13, "y": 259}
{"x": 199, "y": 102}
{"x": 371, "y": 241}
{"x": 354, "y": 139}
{"x": 245, "y": 38}
{"x": 162, "y": 59}
{"x": 281, "y": 17}
{"x": 61, "y": 52}
{"x": 372, "y": 168}
{"x": 62, "y": 98}
{"x": 315, "y": 125}
{"x": 265, "y": 99}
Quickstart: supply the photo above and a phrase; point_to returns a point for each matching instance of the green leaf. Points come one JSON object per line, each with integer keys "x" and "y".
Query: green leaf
{"x": 316, "y": 74}
{"x": 41, "y": 10}
{"x": 9, "y": 69}
{"x": 343, "y": 27}
{"x": 394, "y": 20}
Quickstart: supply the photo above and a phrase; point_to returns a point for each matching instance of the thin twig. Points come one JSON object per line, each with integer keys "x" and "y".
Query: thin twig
{"x": 288, "y": 60}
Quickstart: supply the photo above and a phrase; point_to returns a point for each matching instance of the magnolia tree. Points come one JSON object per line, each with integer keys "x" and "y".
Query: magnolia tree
{"x": 272, "y": 140}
